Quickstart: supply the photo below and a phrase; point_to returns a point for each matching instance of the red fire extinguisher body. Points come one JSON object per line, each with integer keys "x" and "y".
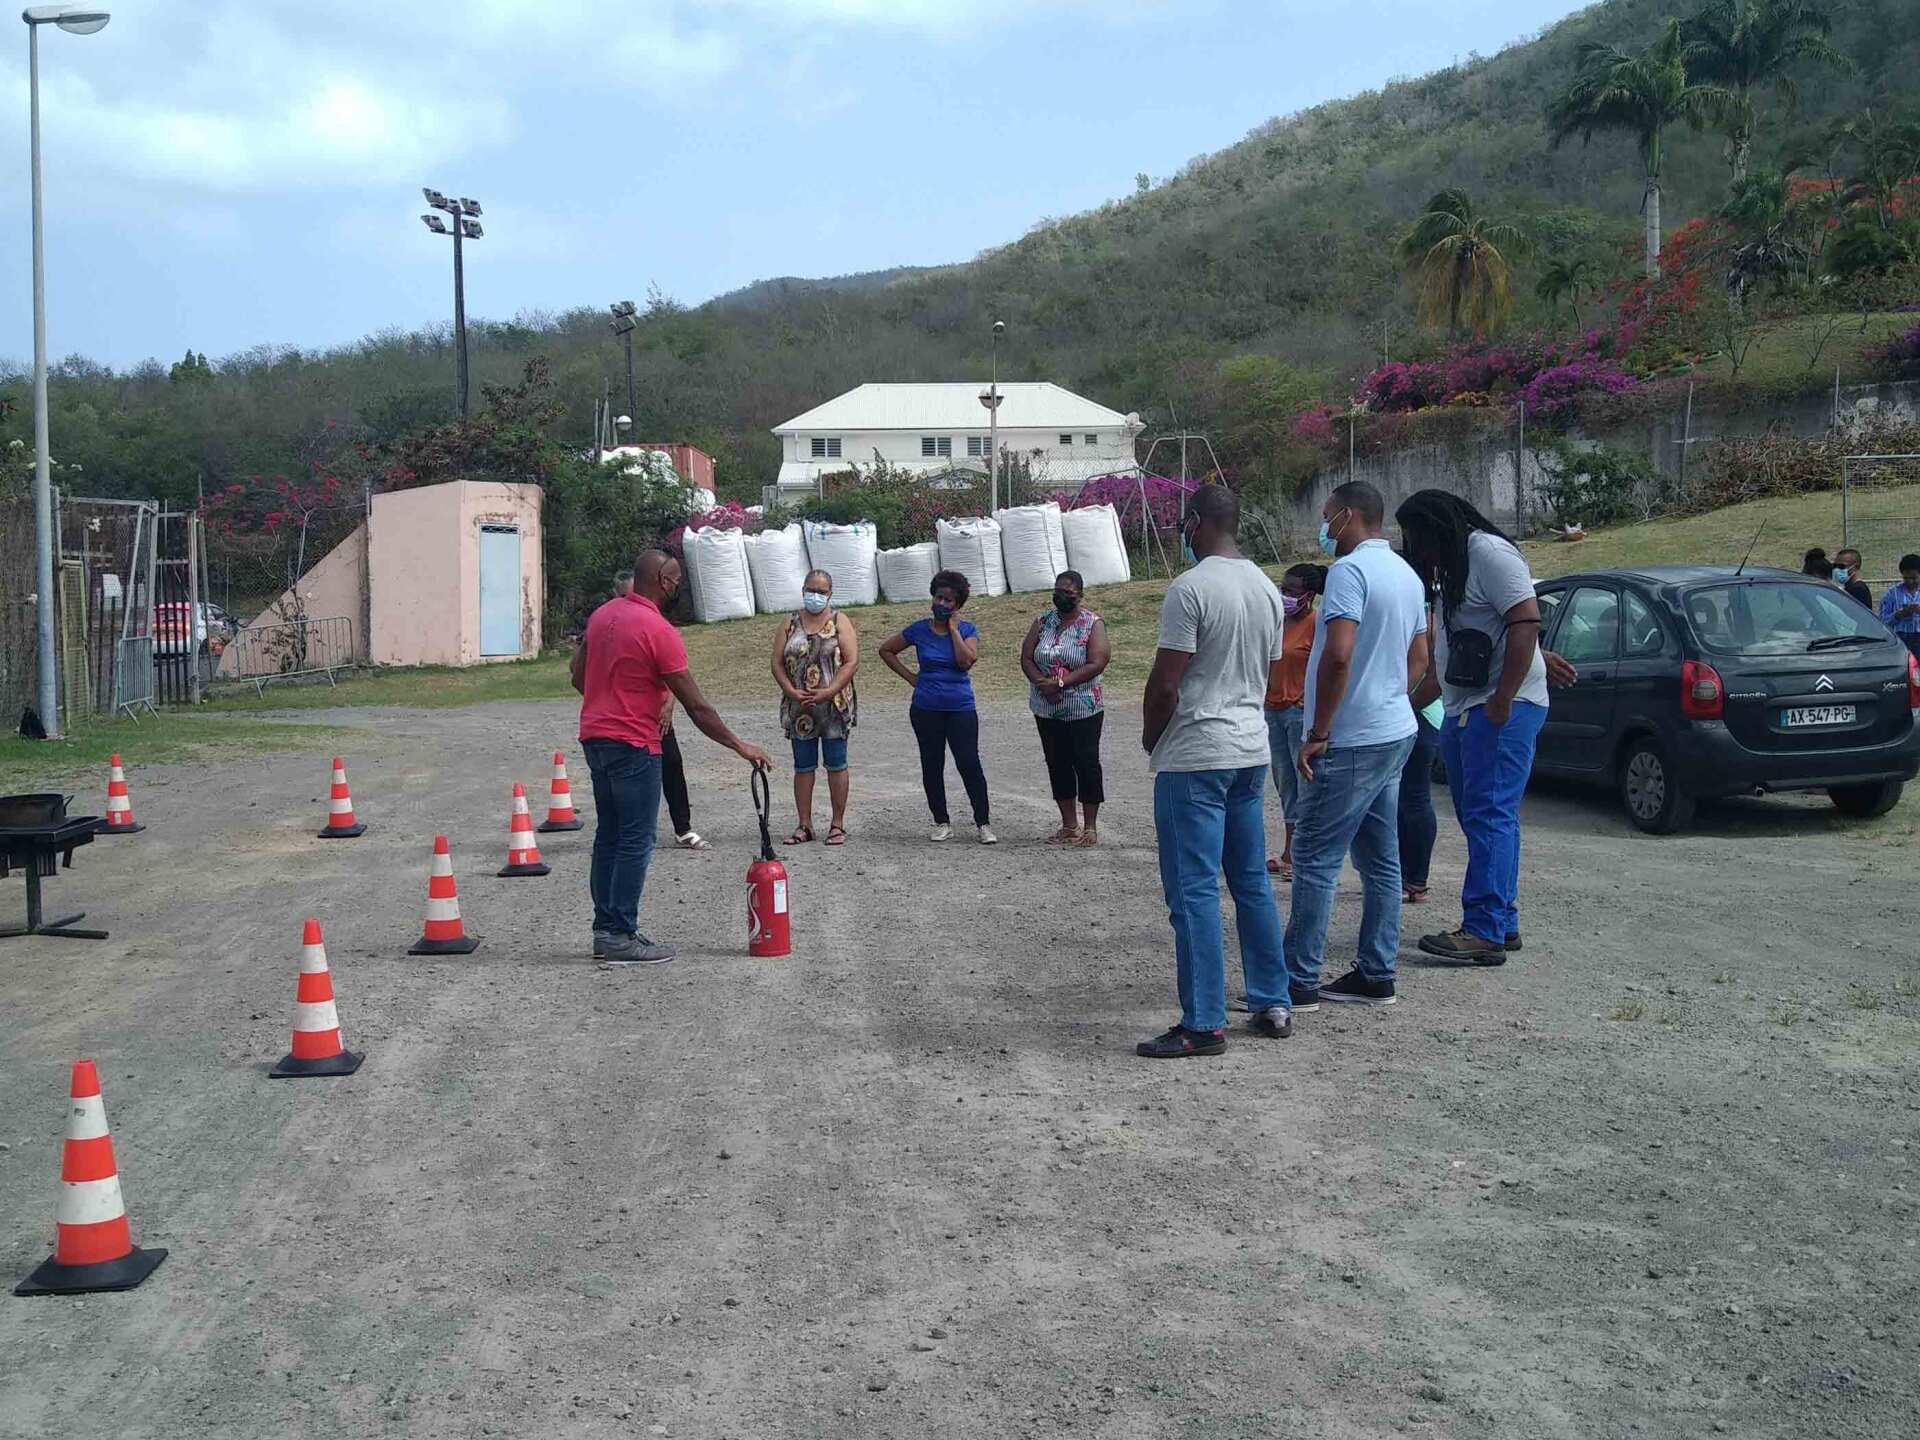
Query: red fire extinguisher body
{"x": 769, "y": 927}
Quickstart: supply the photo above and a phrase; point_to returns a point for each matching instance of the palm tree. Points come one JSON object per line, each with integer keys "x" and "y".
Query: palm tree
{"x": 1641, "y": 94}
{"x": 1750, "y": 45}
{"x": 1458, "y": 260}
{"x": 1888, "y": 149}
{"x": 1565, "y": 280}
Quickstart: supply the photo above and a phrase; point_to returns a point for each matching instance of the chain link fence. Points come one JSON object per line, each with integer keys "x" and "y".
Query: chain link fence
{"x": 1880, "y": 511}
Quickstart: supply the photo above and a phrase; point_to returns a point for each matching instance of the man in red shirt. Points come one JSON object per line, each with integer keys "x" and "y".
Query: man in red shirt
{"x": 628, "y": 662}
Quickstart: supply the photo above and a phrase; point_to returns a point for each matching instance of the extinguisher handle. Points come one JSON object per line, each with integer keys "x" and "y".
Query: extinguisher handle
{"x": 763, "y": 802}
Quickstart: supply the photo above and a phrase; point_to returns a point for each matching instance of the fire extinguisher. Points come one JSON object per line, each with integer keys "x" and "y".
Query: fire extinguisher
{"x": 769, "y": 930}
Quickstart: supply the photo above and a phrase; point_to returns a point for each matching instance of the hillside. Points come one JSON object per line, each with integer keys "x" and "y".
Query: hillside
{"x": 1281, "y": 244}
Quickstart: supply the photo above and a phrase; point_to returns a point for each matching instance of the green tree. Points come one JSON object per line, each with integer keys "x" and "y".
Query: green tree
{"x": 1567, "y": 279}
{"x": 1458, "y": 262}
{"x": 1641, "y": 93}
{"x": 1747, "y": 46}
{"x": 1886, "y": 152}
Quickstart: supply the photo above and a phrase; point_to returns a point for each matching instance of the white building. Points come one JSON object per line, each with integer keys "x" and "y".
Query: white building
{"x": 936, "y": 428}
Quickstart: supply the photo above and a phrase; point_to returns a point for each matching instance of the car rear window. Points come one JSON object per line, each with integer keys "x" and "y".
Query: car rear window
{"x": 1762, "y": 617}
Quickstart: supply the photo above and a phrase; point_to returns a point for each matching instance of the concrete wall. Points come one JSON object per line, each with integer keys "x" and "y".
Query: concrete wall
{"x": 333, "y": 589}
{"x": 424, "y": 570}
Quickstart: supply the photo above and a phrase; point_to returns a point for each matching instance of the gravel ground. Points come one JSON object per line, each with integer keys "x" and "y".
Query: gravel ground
{"x": 1651, "y": 1179}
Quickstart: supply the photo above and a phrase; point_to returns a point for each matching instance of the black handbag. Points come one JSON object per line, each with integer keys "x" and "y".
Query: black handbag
{"x": 1469, "y": 659}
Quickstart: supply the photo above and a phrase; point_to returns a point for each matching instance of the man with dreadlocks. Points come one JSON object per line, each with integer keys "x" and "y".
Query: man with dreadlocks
{"x": 1492, "y": 676}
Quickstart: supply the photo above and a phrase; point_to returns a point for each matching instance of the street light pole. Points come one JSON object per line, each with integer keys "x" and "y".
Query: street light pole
{"x": 466, "y": 225}
{"x": 623, "y": 325}
{"x": 992, "y": 401}
{"x": 75, "y": 21}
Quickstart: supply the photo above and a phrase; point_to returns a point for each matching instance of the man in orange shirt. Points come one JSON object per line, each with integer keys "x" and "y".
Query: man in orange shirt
{"x": 1286, "y": 696}
{"x": 629, "y": 661}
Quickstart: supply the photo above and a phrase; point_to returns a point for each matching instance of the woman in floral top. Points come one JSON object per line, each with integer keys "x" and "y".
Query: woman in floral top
{"x": 815, "y": 655}
{"x": 1064, "y": 655}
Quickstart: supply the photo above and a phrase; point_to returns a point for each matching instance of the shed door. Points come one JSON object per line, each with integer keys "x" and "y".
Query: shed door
{"x": 499, "y": 590}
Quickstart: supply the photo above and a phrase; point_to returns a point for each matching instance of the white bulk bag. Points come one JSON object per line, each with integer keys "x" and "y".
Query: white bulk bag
{"x": 1095, "y": 546}
{"x": 972, "y": 546}
{"x": 716, "y": 564}
{"x": 778, "y": 561}
{"x": 846, "y": 552}
{"x": 1032, "y": 545}
{"x": 907, "y": 573}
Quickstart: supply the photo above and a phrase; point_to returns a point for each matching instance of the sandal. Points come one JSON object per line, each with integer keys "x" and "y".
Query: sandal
{"x": 1282, "y": 868}
{"x": 802, "y": 835}
{"x": 1413, "y": 894}
{"x": 1086, "y": 838}
{"x": 692, "y": 841}
{"x": 1063, "y": 836}
{"x": 836, "y": 835}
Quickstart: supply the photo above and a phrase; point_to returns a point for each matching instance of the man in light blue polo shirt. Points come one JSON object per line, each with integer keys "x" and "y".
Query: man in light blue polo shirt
{"x": 1369, "y": 650}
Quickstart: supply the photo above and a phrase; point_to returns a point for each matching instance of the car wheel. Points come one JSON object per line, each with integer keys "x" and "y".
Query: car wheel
{"x": 1863, "y": 802}
{"x": 1650, "y": 790}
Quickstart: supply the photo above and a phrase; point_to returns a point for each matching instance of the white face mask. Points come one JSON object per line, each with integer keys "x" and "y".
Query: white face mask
{"x": 814, "y": 601}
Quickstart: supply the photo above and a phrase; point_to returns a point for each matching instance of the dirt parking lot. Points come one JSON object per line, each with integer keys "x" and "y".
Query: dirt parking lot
{"x": 1654, "y": 1178}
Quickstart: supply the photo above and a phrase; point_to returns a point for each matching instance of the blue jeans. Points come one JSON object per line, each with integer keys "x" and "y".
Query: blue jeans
{"x": 806, "y": 753}
{"x": 1208, "y": 821}
{"x": 1352, "y": 803}
{"x": 1284, "y": 729}
{"x": 1487, "y": 770}
{"x": 1419, "y": 826}
{"x": 626, "y": 810}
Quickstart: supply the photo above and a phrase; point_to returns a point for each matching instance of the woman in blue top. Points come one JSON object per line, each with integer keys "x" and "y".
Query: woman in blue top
{"x": 942, "y": 713}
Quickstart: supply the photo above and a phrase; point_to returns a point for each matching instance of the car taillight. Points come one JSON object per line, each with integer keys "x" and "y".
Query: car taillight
{"x": 1702, "y": 696}
{"x": 1913, "y": 682}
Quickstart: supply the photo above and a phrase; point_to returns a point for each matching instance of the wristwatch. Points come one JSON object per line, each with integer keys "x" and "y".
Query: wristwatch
{"x": 1311, "y": 735}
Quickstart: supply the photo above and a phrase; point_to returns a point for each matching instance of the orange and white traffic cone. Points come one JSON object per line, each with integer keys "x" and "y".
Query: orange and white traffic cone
{"x": 560, "y": 814}
{"x": 317, "y": 1049}
{"x": 523, "y": 855}
{"x": 341, "y": 824}
{"x": 119, "y": 819}
{"x": 92, "y": 1249}
{"x": 443, "y": 934}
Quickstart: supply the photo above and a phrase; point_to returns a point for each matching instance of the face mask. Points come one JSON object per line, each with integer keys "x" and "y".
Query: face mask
{"x": 1065, "y": 601}
{"x": 1292, "y": 603}
{"x": 1186, "y": 548}
{"x": 942, "y": 612}
{"x": 1840, "y": 574}
{"x": 814, "y": 601}
{"x": 1329, "y": 542}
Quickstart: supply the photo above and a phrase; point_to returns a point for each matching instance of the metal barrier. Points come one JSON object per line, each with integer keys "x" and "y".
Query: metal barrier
{"x": 260, "y": 654}
{"x": 133, "y": 675}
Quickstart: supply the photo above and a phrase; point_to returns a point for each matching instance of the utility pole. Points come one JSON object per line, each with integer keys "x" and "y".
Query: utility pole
{"x": 465, "y": 225}
{"x": 623, "y": 325}
{"x": 992, "y": 401}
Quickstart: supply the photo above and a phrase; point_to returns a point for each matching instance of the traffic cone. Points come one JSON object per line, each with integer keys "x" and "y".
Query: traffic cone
{"x": 119, "y": 819}
{"x": 560, "y": 814}
{"x": 340, "y": 822}
{"x": 444, "y": 934}
{"x": 92, "y": 1249}
{"x": 316, "y": 1024}
{"x": 523, "y": 856}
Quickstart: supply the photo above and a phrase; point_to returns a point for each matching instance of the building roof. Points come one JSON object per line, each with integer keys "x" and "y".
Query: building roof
{"x": 1024, "y": 405}
{"x": 1053, "y": 473}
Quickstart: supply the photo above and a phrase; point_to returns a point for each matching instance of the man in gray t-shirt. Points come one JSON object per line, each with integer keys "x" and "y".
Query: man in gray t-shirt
{"x": 1497, "y": 581}
{"x": 1206, "y": 730}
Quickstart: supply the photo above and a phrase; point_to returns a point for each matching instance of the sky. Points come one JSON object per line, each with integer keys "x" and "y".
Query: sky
{"x": 232, "y": 173}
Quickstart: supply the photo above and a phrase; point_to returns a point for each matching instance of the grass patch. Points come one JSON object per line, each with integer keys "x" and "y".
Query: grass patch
{"x": 1725, "y": 977}
{"x": 170, "y": 737}
{"x": 1860, "y": 997}
{"x": 1777, "y": 361}
{"x": 1786, "y": 1016}
{"x": 428, "y": 685}
{"x": 1907, "y": 987}
{"x": 1718, "y": 537}
{"x": 1630, "y": 1011}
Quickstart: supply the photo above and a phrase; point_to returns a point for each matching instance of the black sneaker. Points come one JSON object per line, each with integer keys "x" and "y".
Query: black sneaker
{"x": 1180, "y": 1043}
{"x": 1353, "y": 988}
{"x": 1305, "y": 999}
{"x": 1513, "y": 943}
{"x": 1275, "y": 1022}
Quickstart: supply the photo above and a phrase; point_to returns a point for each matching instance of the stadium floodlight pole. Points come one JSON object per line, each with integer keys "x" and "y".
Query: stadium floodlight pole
{"x": 465, "y": 225}
{"x": 623, "y": 325}
{"x": 992, "y": 401}
{"x": 75, "y": 21}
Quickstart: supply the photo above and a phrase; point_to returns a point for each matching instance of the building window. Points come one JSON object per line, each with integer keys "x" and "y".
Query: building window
{"x": 1066, "y": 439}
{"x": 935, "y": 445}
{"x": 980, "y": 447}
{"x": 1091, "y": 439}
{"x": 826, "y": 447}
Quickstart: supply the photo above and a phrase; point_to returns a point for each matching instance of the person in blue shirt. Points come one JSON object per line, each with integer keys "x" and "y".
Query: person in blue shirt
{"x": 1900, "y": 606}
{"x": 943, "y": 714}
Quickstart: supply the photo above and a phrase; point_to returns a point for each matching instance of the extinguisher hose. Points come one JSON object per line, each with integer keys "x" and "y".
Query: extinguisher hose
{"x": 763, "y": 801}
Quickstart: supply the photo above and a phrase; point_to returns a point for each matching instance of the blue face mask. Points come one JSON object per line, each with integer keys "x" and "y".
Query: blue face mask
{"x": 814, "y": 601}
{"x": 942, "y": 612}
{"x": 1329, "y": 544}
{"x": 1841, "y": 574}
{"x": 1186, "y": 551}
